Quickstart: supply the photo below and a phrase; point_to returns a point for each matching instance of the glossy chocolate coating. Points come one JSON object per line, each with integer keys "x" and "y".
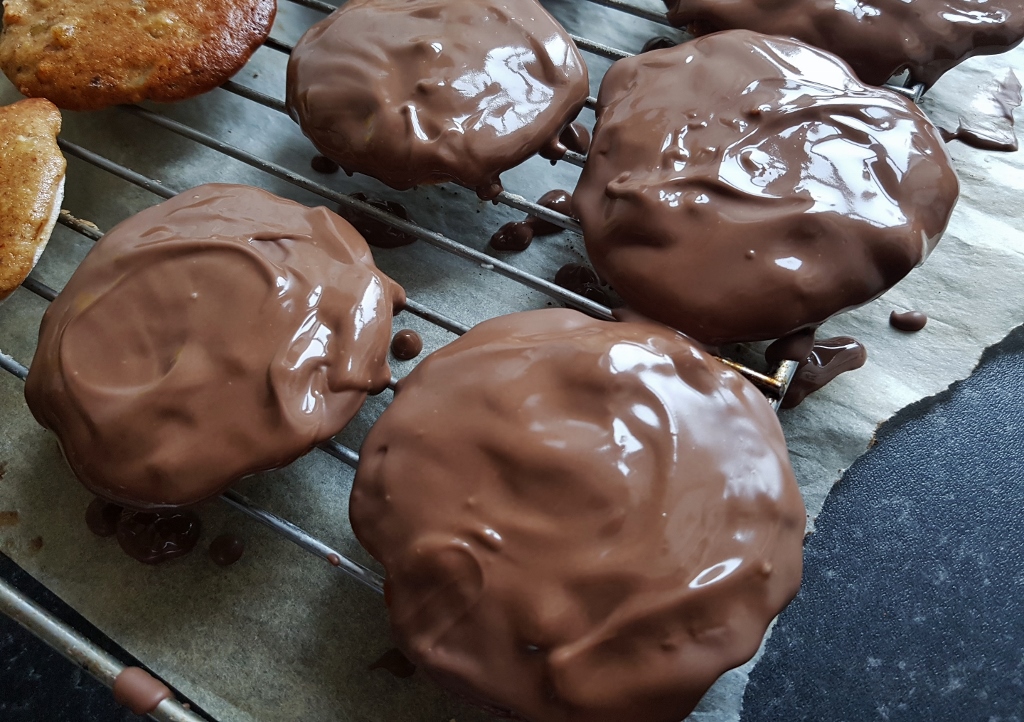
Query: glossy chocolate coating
{"x": 741, "y": 187}
{"x": 513, "y": 236}
{"x": 878, "y": 39}
{"x": 220, "y": 333}
{"x": 909, "y": 321}
{"x": 427, "y": 91}
{"x": 580, "y": 520}
{"x": 828, "y": 358}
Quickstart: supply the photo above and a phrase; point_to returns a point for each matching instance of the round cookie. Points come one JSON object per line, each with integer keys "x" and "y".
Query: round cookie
{"x": 415, "y": 92}
{"x": 740, "y": 187}
{"x": 880, "y": 39}
{"x": 223, "y": 332}
{"x": 580, "y": 520}
{"x": 89, "y": 54}
{"x": 31, "y": 186}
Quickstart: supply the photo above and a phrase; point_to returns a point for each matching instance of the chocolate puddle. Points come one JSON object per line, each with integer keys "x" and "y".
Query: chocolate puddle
{"x": 829, "y": 358}
{"x": 988, "y": 121}
{"x": 153, "y": 537}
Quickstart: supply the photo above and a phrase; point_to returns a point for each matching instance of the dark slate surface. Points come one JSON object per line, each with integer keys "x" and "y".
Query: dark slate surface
{"x": 39, "y": 685}
{"x": 912, "y": 605}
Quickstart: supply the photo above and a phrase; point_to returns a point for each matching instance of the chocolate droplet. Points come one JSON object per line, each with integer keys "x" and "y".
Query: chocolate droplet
{"x": 406, "y": 345}
{"x": 909, "y": 321}
{"x": 515, "y": 236}
{"x": 576, "y": 138}
{"x": 226, "y": 549}
{"x": 557, "y": 200}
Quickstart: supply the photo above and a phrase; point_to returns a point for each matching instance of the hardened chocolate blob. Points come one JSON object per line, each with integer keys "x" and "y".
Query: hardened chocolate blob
{"x": 579, "y": 519}
{"x": 426, "y": 91}
{"x": 908, "y": 321}
{"x": 878, "y": 39}
{"x": 220, "y": 333}
{"x": 741, "y": 187}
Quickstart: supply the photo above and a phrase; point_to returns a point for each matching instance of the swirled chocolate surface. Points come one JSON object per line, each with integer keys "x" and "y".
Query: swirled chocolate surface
{"x": 579, "y": 519}
{"x": 879, "y": 38}
{"x": 427, "y": 91}
{"x": 741, "y": 187}
{"x": 223, "y": 332}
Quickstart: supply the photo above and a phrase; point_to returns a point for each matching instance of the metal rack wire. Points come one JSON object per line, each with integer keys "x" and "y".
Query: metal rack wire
{"x": 773, "y": 384}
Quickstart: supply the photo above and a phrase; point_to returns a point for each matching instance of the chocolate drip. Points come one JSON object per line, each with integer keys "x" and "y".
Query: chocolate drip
{"x": 697, "y": 145}
{"x": 323, "y": 164}
{"x": 909, "y": 321}
{"x": 987, "y": 122}
{"x": 659, "y": 42}
{"x": 406, "y": 345}
{"x": 829, "y": 358}
{"x": 139, "y": 691}
{"x": 152, "y": 537}
{"x": 429, "y": 91}
{"x": 576, "y": 138}
{"x": 223, "y": 332}
{"x": 226, "y": 549}
{"x": 796, "y": 346}
{"x": 603, "y": 519}
{"x": 517, "y": 235}
{"x": 396, "y": 663}
{"x": 579, "y": 279}
{"x": 101, "y": 517}
{"x": 378, "y": 233}
{"x": 926, "y": 37}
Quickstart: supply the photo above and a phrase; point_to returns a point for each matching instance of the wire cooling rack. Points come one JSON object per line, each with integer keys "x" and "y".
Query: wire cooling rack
{"x": 99, "y": 663}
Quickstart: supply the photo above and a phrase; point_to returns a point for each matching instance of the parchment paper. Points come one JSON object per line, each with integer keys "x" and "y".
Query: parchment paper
{"x": 281, "y": 635}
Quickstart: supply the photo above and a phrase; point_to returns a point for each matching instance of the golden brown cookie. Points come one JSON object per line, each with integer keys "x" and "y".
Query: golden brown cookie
{"x": 31, "y": 186}
{"x": 88, "y": 54}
